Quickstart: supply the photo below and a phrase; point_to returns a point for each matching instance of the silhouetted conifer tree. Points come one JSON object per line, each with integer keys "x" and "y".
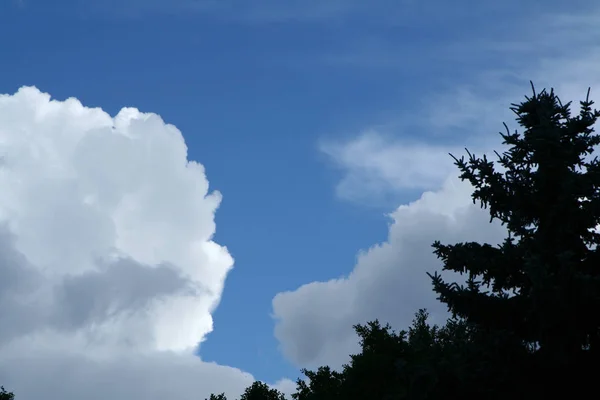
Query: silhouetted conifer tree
{"x": 541, "y": 287}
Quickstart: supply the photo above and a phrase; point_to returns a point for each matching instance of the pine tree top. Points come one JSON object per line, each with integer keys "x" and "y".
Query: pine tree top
{"x": 543, "y": 282}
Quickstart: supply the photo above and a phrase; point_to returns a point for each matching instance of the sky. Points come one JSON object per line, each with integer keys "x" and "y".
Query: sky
{"x": 197, "y": 194}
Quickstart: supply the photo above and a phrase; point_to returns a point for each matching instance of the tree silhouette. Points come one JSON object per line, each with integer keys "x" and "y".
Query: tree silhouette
{"x": 220, "y": 396}
{"x": 261, "y": 391}
{"x": 257, "y": 391}
{"x": 541, "y": 287}
{"x": 4, "y": 395}
{"x": 324, "y": 384}
{"x": 423, "y": 362}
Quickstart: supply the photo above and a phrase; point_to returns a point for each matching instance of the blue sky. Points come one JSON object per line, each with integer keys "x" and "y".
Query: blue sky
{"x": 274, "y": 98}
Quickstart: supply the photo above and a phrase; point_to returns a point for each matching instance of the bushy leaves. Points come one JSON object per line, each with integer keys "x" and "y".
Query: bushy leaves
{"x": 423, "y": 362}
{"x": 257, "y": 391}
{"x": 4, "y": 395}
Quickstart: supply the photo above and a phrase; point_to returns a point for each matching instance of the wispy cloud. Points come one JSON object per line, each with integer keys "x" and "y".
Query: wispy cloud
{"x": 560, "y": 50}
{"x": 376, "y": 166}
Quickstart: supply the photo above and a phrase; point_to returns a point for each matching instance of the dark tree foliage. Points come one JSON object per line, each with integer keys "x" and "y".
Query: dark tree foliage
{"x": 261, "y": 391}
{"x": 217, "y": 397}
{"x": 257, "y": 391}
{"x": 541, "y": 288}
{"x": 4, "y": 395}
{"x": 324, "y": 384}
{"x": 425, "y": 362}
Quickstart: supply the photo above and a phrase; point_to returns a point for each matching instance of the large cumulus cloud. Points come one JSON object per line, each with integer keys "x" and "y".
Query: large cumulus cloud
{"x": 108, "y": 270}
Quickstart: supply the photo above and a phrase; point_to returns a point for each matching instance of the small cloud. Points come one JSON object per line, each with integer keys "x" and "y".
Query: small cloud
{"x": 376, "y": 167}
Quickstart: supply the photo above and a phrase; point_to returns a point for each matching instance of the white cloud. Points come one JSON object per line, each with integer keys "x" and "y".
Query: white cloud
{"x": 313, "y": 322}
{"x": 108, "y": 271}
{"x": 285, "y": 386}
{"x": 389, "y": 281}
{"x": 414, "y": 156}
{"x": 375, "y": 165}
{"x": 34, "y": 373}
